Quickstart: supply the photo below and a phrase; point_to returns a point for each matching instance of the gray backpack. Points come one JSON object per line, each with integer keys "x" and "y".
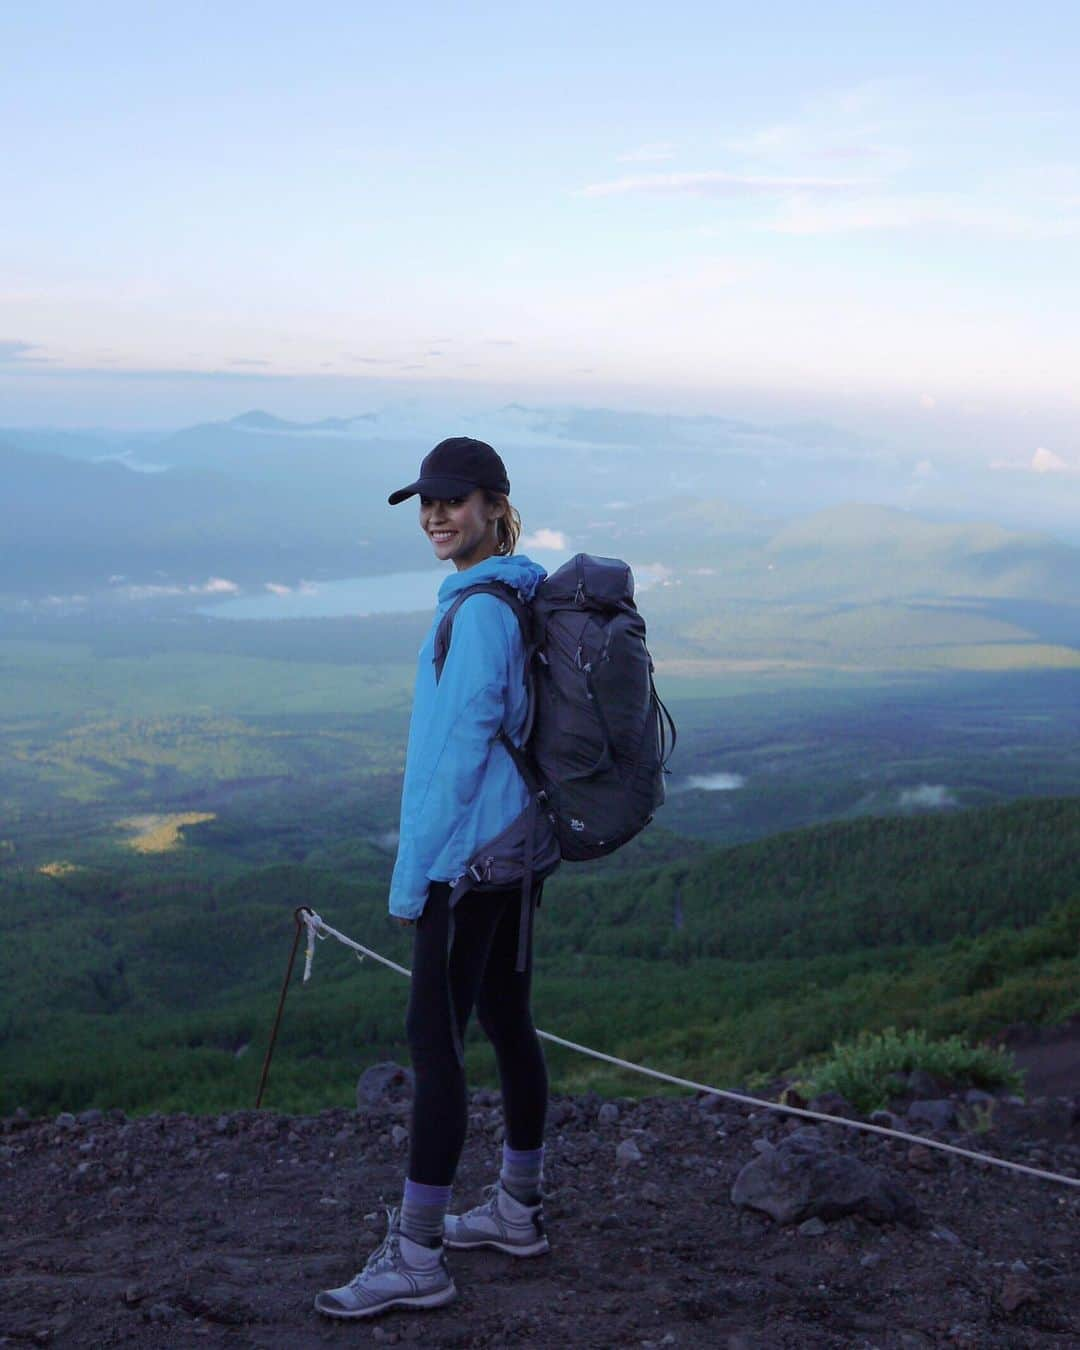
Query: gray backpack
{"x": 597, "y": 737}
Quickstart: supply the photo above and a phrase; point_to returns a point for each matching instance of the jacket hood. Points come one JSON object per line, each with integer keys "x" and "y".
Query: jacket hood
{"x": 517, "y": 570}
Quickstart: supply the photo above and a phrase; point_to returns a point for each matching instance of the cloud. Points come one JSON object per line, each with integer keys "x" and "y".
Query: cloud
{"x": 1043, "y": 461}
{"x": 214, "y": 586}
{"x": 545, "y": 538}
{"x": 247, "y": 361}
{"x": 802, "y": 216}
{"x": 925, "y": 469}
{"x": 11, "y": 349}
{"x": 715, "y": 782}
{"x": 304, "y": 588}
{"x": 927, "y": 795}
{"x": 652, "y": 152}
{"x": 715, "y": 183}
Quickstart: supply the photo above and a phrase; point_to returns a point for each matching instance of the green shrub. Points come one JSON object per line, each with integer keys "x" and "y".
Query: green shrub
{"x": 859, "y": 1070}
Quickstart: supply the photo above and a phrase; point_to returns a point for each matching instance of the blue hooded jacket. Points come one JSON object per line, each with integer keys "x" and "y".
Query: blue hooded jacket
{"x": 461, "y": 787}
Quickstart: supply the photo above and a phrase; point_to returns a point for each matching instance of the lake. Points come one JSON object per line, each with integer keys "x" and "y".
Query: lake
{"x": 392, "y": 593}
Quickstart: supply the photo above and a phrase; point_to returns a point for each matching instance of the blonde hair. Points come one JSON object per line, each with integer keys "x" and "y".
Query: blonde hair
{"x": 507, "y": 526}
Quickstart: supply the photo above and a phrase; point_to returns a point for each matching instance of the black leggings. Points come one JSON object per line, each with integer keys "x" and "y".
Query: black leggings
{"x": 480, "y": 971}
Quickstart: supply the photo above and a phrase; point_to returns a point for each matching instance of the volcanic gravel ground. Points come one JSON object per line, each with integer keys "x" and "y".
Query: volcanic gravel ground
{"x": 169, "y": 1232}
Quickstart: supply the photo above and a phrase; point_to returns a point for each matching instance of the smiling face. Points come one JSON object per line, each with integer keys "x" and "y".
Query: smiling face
{"x": 462, "y": 530}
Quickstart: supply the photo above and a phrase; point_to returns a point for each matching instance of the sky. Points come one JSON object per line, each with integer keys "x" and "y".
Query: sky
{"x": 862, "y": 205}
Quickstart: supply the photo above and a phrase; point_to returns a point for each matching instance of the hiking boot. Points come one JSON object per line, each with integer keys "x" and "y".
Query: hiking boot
{"x": 501, "y": 1222}
{"x": 399, "y": 1274}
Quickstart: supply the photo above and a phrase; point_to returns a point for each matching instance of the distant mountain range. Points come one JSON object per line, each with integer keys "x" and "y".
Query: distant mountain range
{"x": 284, "y": 502}
{"x": 568, "y": 464}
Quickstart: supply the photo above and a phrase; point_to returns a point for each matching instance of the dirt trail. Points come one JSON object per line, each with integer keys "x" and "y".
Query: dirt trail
{"x": 178, "y": 1231}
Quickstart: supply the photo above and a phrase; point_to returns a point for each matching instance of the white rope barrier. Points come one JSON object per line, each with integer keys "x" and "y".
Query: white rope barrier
{"x": 317, "y": 927}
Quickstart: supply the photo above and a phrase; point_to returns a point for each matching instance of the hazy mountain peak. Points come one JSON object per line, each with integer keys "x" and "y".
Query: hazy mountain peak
{"x": 257, "y": 420}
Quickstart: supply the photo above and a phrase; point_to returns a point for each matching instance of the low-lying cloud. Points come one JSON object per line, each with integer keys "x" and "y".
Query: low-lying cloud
{"x": 927, "y": 795}
{"x": 545, "y": 538}
{"x": 715, "y": 782}
{"x": 1043, "y": 461}
{"x": 213, "y": 586}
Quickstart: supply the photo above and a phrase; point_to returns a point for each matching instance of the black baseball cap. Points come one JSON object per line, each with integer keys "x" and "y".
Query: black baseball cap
{"x": 454, "y": 468}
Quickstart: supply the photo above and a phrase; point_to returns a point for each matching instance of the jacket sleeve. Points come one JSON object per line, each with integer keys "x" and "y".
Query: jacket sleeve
{"x": 446, "y": 768}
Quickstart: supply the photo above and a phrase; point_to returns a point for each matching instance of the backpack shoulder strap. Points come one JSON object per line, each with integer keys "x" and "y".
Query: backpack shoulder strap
{"x": 445, "y": 630}
{"x": 443, "y": 634}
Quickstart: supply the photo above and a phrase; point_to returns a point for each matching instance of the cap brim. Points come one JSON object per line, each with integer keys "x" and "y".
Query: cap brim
{"x": 440, "y": 488}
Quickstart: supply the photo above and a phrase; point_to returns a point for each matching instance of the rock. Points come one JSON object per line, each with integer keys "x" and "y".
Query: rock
{"x": 712, "y": 1105}
{"x": 91, "y": 1116}
{"x": 803, "y": 1178}
{"x": 608, "y": 1114}
{"x": 399, "y": 1136}
{"x": 885, "y": 1118}
{"x": 1019, "y": 1288}
{"x": 65, "y": 1121}
{"x": 977, "y": 1097}
{"x": 627, "y": 1153}
{"x": 808, "y": 1137}
{"x": 918, "y": 1155}
{"x": 939, "y": 1114}
{"x": 833, "y": 1104}
{"x": 562, "y": 1113}
{"x": 218, "y": 1303}
{"x": 382, "y": 1083}
{"x": 652, "y": 1194}
{"x": 813, "y": 1227}
{"x": 923, "y": 1084}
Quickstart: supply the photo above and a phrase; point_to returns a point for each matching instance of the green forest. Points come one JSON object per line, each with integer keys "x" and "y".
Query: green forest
{"x": 151, "y": 983}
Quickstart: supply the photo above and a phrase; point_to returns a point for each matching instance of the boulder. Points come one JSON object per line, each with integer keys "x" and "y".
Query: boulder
{"x": 384, "y": 1083}
{"x": 921, "y": 1083}
{"x": 804, "y": 1178}
{"x": 939, "y": 1115}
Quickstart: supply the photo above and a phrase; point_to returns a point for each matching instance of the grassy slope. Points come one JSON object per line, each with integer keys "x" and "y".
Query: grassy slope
{"x": 963, "y": 922}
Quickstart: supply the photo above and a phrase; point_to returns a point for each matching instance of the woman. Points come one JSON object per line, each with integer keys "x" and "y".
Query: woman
{"x": 462, "y": 789}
